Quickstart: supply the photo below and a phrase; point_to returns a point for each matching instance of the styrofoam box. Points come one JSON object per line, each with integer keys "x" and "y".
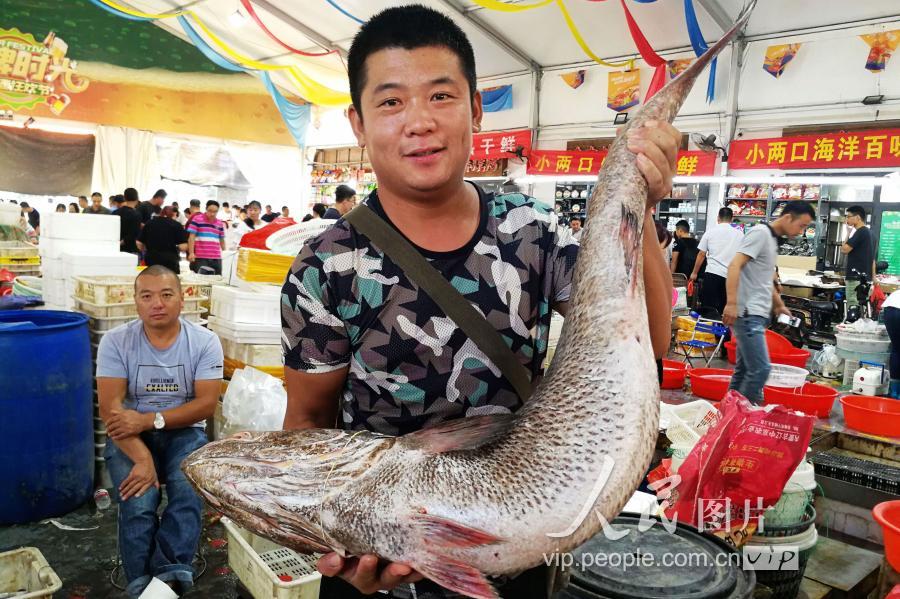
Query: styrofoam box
{"x": 55, "y": 248}
{"x": 10, "y": 214}
{"x": 254, "y": 334}
{"x": 235, "y": 305}
{"x": 126, "y": 309}
{"x": 65, "y": 225}
{"x": 253, "y": 354}
{"x": 96, "y": 262}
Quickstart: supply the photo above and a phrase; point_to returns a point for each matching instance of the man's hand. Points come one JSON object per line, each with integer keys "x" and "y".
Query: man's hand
{"x": 656, "y": 145}
{"x": 693, "y": 276}
{"x": 191, "y": 257}
{"x": 729, "y": 316}
{"x": 363, "y": 573}
{"x": 139, "y": 480}
{"x": 782, "y": 309}
{"x": 127, "y": 423}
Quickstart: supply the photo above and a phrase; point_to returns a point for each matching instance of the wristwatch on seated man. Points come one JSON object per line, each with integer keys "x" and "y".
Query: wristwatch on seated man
{"x": 159, "y": 422}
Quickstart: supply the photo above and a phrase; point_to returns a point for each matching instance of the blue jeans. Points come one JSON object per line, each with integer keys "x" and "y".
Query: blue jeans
{"x": 151, "y": 546}
{"x": 753, "y": 366}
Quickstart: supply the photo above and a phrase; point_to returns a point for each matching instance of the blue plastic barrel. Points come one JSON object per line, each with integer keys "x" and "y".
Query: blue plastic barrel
{"x": 46, "y": 419}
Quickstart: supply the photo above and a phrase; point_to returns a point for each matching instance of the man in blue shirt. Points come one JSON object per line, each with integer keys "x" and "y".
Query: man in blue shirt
{"x": 158, "y": 379}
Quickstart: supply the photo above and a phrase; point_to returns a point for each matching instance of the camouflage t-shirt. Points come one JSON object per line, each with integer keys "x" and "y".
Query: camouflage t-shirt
{"x": 345, "y": 303}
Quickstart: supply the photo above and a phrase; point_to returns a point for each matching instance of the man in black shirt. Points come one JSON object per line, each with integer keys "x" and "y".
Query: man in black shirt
{"x": 685, "y": 251}
{"x": 129, "y": 222}
{"x": 148, "y": 210}
{"x": 162, "y": 240}
{"x": 860, "y": 251}
{"x": 344, "y": 201}
{"x": 269, "y": 216}
{"x": 34, "y": 217}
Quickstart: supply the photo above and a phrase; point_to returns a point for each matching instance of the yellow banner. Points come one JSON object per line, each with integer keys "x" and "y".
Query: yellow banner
{"x": 624, "y": 89}
{"x": 777, "y": 58}
{"x": 882, "y": 46}
{"x": 34, "y": 73}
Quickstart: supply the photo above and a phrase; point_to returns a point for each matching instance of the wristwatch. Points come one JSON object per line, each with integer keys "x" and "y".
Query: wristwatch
{"x": 159, "y": 422}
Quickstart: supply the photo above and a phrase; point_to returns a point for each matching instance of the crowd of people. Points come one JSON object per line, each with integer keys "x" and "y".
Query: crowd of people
{"x": 159, "y": 233}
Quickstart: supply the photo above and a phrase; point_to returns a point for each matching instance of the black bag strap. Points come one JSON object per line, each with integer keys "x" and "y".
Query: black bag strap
{"x": 445, "y": 295}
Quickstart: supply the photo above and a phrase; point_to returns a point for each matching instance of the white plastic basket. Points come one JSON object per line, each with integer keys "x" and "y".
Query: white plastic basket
{"x": 25, "y": 574}
{"x": 783, "y": 375}
{"x": 259, "y": 563}
{"x": 867, "y": 344}
{"x": 688, "y": 422}
{"x": 238, "y": 306}
{"x": 289, "y": 240}
{"x": 102, "y": 325}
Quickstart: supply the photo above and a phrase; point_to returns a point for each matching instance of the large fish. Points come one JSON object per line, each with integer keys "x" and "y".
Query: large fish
{"x": 487, "y": 495}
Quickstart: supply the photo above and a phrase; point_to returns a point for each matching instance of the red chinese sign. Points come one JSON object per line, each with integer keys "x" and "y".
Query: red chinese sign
{"x": 571, "y": 162}
{"x": 829, "y": 150}
{"x": 500, "y": 144}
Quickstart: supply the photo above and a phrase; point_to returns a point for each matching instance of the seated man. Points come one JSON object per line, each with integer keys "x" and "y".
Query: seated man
{"x": 158, "y": 378}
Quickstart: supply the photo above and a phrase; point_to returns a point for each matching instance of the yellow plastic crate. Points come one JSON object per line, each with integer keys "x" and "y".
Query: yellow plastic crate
{"x": 18, "y": 250}
{"x": 262, "y": 566}
{"x": 258, "y": 266}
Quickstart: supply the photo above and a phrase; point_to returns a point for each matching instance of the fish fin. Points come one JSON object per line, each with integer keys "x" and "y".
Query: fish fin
{"x": 444, "y": 532}
{"x": 462, "y": 434}
{"x": 457, "y": 576}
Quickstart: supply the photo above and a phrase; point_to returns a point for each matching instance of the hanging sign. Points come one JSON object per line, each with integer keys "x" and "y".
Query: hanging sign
{"x": 889, "y": 241}
{"x": 882, "y": 46}
{"x": 831, "y": 150}
{"x": 777, "y": 58}
{"x": 500, "y": 144}
{"x": 573, "y": 162}
{"x": 493, "y": 167}
{"x": 574, "y": 79}
{"x": 624, "y": 90}
{"x": 495, "y": 99}
{"x": 33, "y": 73}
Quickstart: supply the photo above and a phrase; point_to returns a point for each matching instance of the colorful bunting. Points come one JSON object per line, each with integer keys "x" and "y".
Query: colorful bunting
{"x": 309, "y": 89}
{"x": 574, "y": 79}
{"x": 647, "y": 53}
{"x": 777, "y": 58}
{"x": 570, "y": 23}
{"x": 252, "y": 12}
{"x": 624, "y": 89}
{"x": 495, "y": 99}
{"x": 344, "y": 12}
{"x": 882, "y": 46}
{"x": 699, "y": 45}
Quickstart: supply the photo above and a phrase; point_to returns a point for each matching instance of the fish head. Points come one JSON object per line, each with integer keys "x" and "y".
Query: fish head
{"x": 271, "y": 483}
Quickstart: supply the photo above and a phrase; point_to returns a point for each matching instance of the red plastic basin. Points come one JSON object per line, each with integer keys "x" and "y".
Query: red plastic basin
{"x": 780, "y": 351}
{"x": 673, "y": 374}
{"x": 710, "y": 383}
{"x": 887, "y": 514}
{"x": 873, "y": 415}
{"x": 810, "y": 399}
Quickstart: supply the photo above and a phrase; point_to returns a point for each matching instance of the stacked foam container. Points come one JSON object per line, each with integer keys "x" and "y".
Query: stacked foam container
{"x": 247, "y": 320}
{"x": 76, "y": 245}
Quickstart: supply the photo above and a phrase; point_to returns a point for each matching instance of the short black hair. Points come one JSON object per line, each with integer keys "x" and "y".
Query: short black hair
{"x": 24, "y": 205}
{"x": 307, "y": 218}
{"x": 319, "y": 208}
{"x": 254, "y": 203}
{"x": 284, "y": 208}
{"x": 343, "y": 192}
{"x": 117, "y": 199}
{"x": 857, "y": 211}
{"x": 195, "y": 202}
{"x": 225, "y": 205}
{"x": 798, "y": 208}
{"x": 160, "y": 193}
{"x": 75, "y": 204}
{"x": 726, "y": 214}
{"x": 407, "y": 27}
{"x": 63, "y": 206}
{"x": 97, "y": 193}
{"x": 212, "y": 203}
{"x": 82, "y": 198}
{"x": 683, "y": 225}
{"x": 131, "y": 194}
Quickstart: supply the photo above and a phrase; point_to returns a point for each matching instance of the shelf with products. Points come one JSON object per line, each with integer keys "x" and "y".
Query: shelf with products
{"x": 688, "y": 201}
{"x": 571, "y": 200}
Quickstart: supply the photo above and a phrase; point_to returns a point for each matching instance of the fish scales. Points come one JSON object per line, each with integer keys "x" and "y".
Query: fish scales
{"x": 489, "y": 495}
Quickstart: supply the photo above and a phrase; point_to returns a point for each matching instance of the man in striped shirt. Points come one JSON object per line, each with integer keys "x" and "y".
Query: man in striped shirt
{"x": 206, "y": 240}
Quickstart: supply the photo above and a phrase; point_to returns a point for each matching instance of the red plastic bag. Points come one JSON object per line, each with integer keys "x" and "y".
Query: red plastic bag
{"x": 878, "y": 297}
{"x": 740, "y": 466}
